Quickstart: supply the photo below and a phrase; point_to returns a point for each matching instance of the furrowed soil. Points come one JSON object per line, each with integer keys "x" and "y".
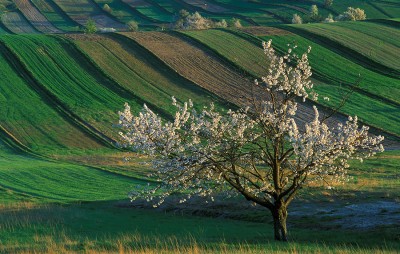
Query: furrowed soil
{"x": 16, "y": 23}
{"x": 35, "y": 17}
{"x": 80, "y": 11}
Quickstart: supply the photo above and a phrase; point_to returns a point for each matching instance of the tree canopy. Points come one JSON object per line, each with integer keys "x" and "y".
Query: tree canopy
{"x": 260, "y": 151}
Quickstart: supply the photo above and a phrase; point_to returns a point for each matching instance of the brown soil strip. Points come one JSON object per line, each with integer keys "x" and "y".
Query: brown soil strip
{"x": 207, "y": 70}
{"x": 35, "y": 17}
{"x": 80, "y": 11}
{"x": 264, "y": 31}
{"x": 202, "y": 68}
{"x": 16, "y": 23}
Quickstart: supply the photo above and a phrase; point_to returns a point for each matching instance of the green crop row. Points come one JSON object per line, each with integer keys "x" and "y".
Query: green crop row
{"x": 140, "y": 72}
{"x": 371, "y": 47}
{"x": 331, "y": 69}
{"x": 56, "y": 15}
{"x": 71, "y": 80}
{"x": 30, "y": 116}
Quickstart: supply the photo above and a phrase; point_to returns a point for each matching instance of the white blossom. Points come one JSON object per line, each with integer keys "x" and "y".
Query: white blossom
{"x": 258, "y": 151}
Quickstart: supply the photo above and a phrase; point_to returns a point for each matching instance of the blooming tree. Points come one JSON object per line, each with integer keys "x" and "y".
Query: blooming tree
{"x": 314, "y": 11}
{"x": 352, "y": 14}
{"x": 259, "y": 151}
{"x": 296, "y": 19}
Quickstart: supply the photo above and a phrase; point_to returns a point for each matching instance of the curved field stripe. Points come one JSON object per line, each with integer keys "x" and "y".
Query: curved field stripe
{"x": 35, "y": 17}
{"x": 247, "y": 55}
{"x": 370, "y": 47}
{"x": 140, "y": 72}
{"x": 347, "y": 52}
{"x": 30, "y": 117}
{"x": 390, "y": 9}
{"x": 132, "y": 6}
{"x": 385, "y": 33}
{"x": 369, "y": 101}
{"x": 279, "y": 12}
{"x": 202, "y": 68}
{"x": 389, "y": 22}
{"x": 170, "y": 6}
{"x": 81, "y": 10}
{"x": 122, "y": 11}
{"x": 61, "y": 182}
{"x": 16, "y": 23}
{"x": 199, "y": 64}
{"x": 325, "y": 62}
{"x": 370, "y": 10}
{"x": 3, "y": 29}
{"x": 207, "y": 6}
{"x": 151, "y": 11}
{"x": 261, "y": 16}
{"x": 72, "y": 81}
{"x": 250, "y": 58}
{"x": 56, "y": 15}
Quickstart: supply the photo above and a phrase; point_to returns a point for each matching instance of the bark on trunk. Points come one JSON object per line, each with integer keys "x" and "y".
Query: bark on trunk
{"x": 280, "y": 215}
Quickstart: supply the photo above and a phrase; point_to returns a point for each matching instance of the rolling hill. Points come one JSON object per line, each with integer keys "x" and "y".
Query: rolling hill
{"x": 60, "y": 91}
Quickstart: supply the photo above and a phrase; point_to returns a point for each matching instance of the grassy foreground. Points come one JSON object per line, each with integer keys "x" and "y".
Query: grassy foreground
{"x": 89, "y": 213}
{"x": 102, "y": 227}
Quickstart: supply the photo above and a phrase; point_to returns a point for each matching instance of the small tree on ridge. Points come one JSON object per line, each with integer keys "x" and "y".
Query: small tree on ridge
{"x": 259, "y": 151}
{"x": 90, "y": 26}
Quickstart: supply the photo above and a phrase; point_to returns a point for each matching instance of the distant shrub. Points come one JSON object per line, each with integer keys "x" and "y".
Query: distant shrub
{"x": 328, "y": 3}
{"x": 107, "y": 8}
{"x": 187, "y": 21}
{"x": 235, "y": 23}
{"x": 329, "y": 19}
{"x": 221, "y": 24}
{"x": 313, "y": 10}
{"x": 314, "y": 13}
{"x": 132, "y": 25}
{"x": 296, "y": 19}
{"x": 352, "y": 14}
{"x": 90, "y": 26}
{"x": 197, "y": 22}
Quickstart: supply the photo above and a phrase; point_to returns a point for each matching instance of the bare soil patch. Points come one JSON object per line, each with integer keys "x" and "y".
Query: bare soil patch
{"x": 16, "y": 23}
{"x": 198, "y": 66}
{"x": 206, "y": 69}
{"x": 264, "y": 31}
{"x": 35, "y": 17}
{"x": 80, "y": 11}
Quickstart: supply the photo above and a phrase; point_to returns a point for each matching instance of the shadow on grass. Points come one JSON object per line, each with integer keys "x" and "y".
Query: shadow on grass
{"x": 108, "y": 226}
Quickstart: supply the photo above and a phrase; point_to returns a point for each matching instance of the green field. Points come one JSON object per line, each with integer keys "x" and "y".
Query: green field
{"x": 143, "y": 74}
{"x": 375, "y": 48}
{"x": 41, "y": 128}
{"x": 70, "y": 16}
{"x": 56, "y": 15}
{"x": 54, "y": 207}
{"x": 64, "y": 182}
{"x": 327, "y": 65}
{"x": 123, "y": 11}
{"x": 71, "y": 80}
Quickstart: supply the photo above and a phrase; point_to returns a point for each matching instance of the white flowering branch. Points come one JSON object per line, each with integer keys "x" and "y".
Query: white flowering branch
{"x": 258, "y": 151}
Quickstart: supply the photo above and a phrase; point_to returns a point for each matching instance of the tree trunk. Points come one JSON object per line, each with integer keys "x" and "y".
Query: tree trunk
{"x": 280, "y": 215}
